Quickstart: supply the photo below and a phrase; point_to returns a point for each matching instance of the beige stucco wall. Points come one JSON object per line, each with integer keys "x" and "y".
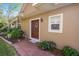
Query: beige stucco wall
{"x": 70, "y": 35}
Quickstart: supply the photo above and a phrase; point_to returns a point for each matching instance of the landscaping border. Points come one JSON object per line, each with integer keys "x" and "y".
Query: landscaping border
{"x": 6, "y": 40}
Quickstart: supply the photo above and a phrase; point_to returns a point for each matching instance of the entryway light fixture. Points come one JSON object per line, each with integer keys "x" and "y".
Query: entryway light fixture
{"x": 41, "y": 19}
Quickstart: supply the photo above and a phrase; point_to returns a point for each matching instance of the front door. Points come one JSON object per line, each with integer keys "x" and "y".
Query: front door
{"x": 35, "y": 29}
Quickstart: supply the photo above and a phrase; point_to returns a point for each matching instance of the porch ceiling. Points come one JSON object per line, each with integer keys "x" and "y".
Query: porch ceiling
{"x": 43, "y": 7}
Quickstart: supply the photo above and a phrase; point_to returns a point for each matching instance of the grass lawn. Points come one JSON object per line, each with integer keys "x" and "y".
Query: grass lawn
{"x": 6, "y": 49}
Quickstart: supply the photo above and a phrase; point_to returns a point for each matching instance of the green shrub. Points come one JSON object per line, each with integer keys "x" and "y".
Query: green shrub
{"x": 4, "y": 30}
{"x": 47, "y": 45}
{"x": 1, "y": 25}
{"x": 68, "y": 51}
{"x": 16, "y": 33}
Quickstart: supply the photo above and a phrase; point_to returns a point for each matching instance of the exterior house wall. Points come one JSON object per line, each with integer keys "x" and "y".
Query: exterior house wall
{"x": 70, "y": 35}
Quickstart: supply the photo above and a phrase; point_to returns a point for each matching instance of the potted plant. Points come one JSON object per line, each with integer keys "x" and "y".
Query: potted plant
{"x": 14, "y": 35}
{"x": 9, "y": 35}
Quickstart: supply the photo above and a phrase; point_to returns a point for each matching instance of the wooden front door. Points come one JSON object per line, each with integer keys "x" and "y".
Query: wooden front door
{"x": 35, "y": 29}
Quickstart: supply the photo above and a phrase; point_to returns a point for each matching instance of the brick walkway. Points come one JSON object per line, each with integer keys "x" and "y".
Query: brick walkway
{"x": 26, "y": 48}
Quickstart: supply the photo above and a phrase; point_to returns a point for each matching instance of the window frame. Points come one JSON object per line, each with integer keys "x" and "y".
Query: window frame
{"x": 61, "y": 24}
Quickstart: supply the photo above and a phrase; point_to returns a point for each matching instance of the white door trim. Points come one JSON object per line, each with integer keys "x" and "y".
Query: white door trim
{"x": 33, "y": 40}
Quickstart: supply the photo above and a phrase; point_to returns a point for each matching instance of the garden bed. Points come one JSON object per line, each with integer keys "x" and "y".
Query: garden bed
{"x": 51, "y": 47}
{"x": 57, "y": 52}
{"x": 9, "y": 39}
{"x": 14, "y": 40}
{"x": 13, "y": 35}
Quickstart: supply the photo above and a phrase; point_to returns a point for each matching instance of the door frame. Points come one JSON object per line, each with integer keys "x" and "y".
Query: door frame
{"x": 37, "y": 40}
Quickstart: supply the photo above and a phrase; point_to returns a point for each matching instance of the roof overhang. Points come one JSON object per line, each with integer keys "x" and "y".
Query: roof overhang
{"x": 44, "y": 7}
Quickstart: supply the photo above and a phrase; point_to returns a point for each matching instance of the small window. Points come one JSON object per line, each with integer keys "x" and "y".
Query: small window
{"x": 55, "y": 23}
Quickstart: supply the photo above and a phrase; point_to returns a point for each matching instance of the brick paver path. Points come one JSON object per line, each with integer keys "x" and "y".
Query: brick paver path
{"x": 26, "y": 48}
